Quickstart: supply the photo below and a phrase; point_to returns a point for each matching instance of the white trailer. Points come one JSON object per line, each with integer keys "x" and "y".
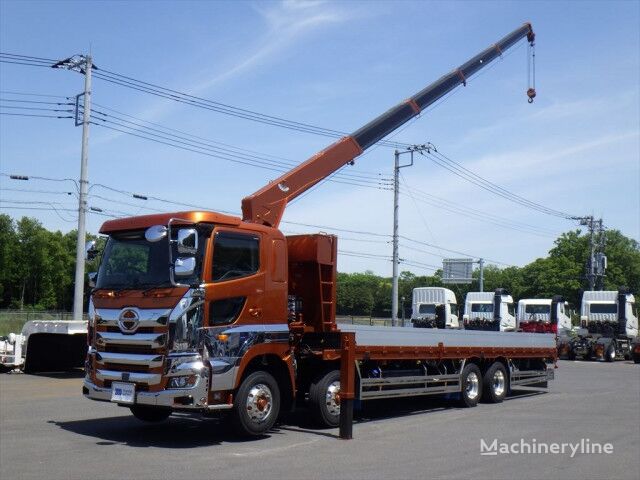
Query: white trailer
{"x": 544, "y": 315}
{"x": 492, "y": 311}
{"x": 609, "y": 327}
{"x": 45, "y": 346}
{"x": 434, "y": 307}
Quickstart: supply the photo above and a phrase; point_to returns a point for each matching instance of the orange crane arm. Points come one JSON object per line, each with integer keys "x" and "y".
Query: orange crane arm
{"x": 266, "y": 206}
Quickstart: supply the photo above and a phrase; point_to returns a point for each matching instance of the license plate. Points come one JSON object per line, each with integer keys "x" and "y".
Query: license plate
{"x": 123, "y": 392}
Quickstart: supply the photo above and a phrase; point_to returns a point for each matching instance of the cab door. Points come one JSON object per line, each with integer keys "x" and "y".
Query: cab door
{"x": 235, "y": 277}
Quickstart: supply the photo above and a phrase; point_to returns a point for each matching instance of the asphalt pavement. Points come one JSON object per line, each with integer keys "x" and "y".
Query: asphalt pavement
{"x": 48, "y": 430}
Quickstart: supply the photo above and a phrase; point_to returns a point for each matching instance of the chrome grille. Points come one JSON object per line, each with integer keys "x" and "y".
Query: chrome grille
{"x": 130, "y": 356}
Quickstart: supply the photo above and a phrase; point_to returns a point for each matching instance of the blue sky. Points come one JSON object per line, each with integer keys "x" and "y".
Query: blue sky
{"x": 338, "y": 65}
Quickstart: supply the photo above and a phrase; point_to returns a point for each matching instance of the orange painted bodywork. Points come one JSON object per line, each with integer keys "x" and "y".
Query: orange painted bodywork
{"x": 145, "y": 221}
{"x": 267, "y": 205}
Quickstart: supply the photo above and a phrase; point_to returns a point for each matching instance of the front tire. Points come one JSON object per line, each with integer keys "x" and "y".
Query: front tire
{"x": 471, "y": 385}
{"x": 610, "y": 354}
{"x": 256, "y": 405}
{"x": 324, "y": 399}
{"x": 494, "y": 383}
{"x": 150, "y": 414}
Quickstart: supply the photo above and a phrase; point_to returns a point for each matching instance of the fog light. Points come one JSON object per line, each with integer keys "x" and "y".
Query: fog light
{"x": 182, "y": 382}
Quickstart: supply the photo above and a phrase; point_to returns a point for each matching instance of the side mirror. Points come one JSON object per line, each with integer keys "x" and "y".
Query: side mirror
{"x": 188, "y": 241}
{"x": 92, "y": 278}
{"x": 184, "y": 267}
{"x": 90, "y": 250}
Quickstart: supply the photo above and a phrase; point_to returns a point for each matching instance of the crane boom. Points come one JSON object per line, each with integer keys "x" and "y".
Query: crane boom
{"x": 266, "y": 206}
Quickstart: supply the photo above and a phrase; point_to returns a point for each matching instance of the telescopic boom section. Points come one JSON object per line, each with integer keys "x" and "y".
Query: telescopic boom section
{"x": 266, "y": 206}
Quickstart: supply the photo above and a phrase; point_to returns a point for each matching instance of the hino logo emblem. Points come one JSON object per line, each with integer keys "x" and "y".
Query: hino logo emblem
{"x": 128, "y": 321}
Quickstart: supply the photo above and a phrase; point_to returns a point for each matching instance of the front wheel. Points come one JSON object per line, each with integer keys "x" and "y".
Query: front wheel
{"x": 494, "y": 383}
{"x": 471, "y": 386}
{"x": 150, "y": 414}
{"x": 256, "y": 405}
{"x": 324, "y": 399}
{"x": 610, "y": 354}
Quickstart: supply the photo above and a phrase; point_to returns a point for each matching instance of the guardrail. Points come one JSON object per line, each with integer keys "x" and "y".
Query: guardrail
{"x": 377, "y": 321}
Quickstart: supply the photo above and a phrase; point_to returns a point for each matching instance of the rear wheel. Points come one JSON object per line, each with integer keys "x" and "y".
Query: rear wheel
{"x": 471, "y": 386}
{"x": 150, "y": 414}
{"x": 324, "y": 399}
{"x": 256, "y": 405}
{"x": 494, "y": 383}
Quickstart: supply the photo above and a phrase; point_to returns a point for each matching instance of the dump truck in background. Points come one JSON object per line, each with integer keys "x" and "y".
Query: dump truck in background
{"x": 489, "y": 311}
{"x": 45, "y": 346}
{"x": 544, "y": 315}
{"x": 434, "y": 307}
{"x": 608, "y": 327}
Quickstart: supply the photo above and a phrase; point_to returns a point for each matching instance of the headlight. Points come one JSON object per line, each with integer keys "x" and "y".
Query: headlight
{"x": 184, "y": 381}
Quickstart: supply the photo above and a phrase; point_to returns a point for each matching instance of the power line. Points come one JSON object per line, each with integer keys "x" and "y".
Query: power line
{"x": 377, "y": 235}
{"x": 470, "y": 176}
{"x": 474, "y": 214}
{"x": 232, "y": 154}
{"x": 34, "y": 115}
{"x": 183, "y": 97}
{"x": 224, "y": 146}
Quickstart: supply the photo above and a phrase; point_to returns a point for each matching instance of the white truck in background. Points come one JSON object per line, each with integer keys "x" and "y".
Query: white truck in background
{"x": 45, "y": 346}
{"x": 609, "y": 327}
{"x": 434, "y": 307}
{"x": 493, "y": 311}
{"x": 544, "y": 315}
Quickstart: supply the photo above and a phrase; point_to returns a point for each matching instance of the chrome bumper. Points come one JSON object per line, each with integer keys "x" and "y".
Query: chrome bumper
{"x": 192, "y": 398}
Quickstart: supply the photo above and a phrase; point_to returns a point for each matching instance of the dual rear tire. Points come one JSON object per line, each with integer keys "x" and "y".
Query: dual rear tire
{"x": 491, "y": 386}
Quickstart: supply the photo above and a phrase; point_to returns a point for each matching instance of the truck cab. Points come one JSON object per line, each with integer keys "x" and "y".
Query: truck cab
{"x": 609, "y": 326}
{"x": 544, "y": 315}
{"x": 434, "y": 307}
{"x": 489, "y": 311}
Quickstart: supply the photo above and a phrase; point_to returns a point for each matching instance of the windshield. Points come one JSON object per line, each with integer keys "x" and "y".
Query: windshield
{"x": 482, "y": 307}
{"x": 427, "y": 308}
{"x": 130, "y": 261}
{"x": 603, "y": 308}
{"x": 537, "y": 309}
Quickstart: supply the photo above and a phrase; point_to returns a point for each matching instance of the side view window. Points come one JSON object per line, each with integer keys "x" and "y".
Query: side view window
{"x": 235, "y": 255}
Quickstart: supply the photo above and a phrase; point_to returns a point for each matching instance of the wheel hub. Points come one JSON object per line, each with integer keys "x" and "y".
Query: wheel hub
{"x": 259, "y": 403}
{"x": 498, "y": 383}
{"x": 333, "y": 398}
{"x": 473, "y": 386}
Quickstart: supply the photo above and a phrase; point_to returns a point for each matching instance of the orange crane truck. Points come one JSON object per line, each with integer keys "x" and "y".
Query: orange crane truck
{"x": 203, "y": 312}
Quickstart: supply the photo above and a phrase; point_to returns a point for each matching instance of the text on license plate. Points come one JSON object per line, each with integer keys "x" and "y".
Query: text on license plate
{"x": 123, "y": 392}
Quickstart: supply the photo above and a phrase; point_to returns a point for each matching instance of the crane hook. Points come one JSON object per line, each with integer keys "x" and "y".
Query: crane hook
{"x": 531, "y": 93}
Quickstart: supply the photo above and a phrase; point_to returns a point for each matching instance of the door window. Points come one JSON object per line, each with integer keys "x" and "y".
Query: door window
{"x": 235, "y": 255}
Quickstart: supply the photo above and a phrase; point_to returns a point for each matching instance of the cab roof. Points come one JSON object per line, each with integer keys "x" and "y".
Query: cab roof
{"x": 145, "y": 221}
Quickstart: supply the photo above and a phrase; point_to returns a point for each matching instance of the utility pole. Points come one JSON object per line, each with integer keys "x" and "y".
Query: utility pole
{"x": 596, "y": 263}
{"x": 83, "y": 64}
{"x": 396, "y": 193}
{"x": 481, "y": 279}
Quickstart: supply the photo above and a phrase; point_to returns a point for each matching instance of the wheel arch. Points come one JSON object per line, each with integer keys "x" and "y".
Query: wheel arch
{"x": 277, "y": 365}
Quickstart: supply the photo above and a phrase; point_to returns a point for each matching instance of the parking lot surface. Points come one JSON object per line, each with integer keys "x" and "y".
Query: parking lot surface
{"x": 48, "y": 430}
